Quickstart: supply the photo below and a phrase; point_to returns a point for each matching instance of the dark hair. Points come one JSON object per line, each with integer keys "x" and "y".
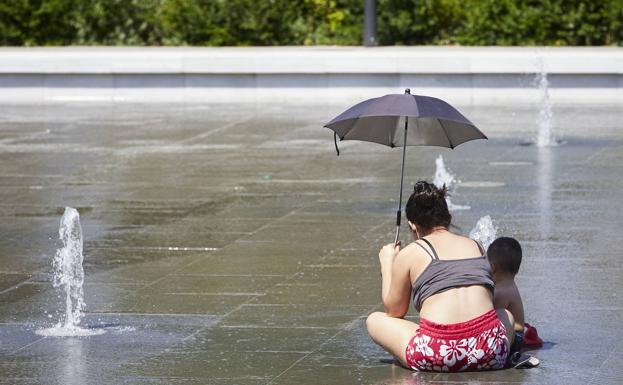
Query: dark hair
{"x": 427, "y": 207}
{"x": 505, "y": 254}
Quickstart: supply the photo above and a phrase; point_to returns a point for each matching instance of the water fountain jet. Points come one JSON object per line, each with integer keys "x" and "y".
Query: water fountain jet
{"x": 444, "y": 177}
{"x": 484, "y": 231}
{"x": 69, "y": 275}
{"x": 545, "y": 120}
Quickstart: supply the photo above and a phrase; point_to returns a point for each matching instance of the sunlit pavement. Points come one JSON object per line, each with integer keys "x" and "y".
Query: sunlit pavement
{"x": 230, "y": 245}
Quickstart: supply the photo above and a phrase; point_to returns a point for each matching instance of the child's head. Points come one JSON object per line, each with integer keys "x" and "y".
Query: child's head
{"x": 505, "y": 255}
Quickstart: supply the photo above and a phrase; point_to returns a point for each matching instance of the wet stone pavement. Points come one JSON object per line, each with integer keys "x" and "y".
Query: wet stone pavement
{"x": 229, "y": 245}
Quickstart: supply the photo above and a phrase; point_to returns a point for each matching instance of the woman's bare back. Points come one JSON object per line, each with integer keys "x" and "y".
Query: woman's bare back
{"x": 457, "y": 304}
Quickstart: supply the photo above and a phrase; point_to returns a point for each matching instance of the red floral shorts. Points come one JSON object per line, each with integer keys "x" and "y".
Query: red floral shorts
{"x": 477, "y": 344}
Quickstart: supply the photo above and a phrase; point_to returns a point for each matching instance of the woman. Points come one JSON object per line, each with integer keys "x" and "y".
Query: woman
{"x": 449, "y": 278}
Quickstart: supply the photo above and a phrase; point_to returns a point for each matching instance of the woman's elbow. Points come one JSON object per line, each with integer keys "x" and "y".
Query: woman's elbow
{"x": 395, "y": 311}
{"x": 396, "y": 314}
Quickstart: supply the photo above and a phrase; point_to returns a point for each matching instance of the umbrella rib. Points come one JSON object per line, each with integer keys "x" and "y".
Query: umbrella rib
{"x": 446, "y": 132}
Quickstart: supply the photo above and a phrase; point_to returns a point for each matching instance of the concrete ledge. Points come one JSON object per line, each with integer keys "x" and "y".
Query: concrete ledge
{"x": 312, "y": 60}
{"x": 466, "y": 75}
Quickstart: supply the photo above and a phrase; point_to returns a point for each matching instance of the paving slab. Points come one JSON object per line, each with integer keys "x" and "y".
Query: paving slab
{"x": 53, "y": 360}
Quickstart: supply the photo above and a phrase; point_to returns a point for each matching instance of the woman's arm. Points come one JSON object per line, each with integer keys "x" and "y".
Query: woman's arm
{"x": 395, "y": 281}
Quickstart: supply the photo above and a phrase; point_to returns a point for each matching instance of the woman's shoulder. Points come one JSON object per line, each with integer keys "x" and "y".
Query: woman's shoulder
{"x": 414, "y": 248}
{"x": 414, "y": 260}
{"x": 416, "y": 253}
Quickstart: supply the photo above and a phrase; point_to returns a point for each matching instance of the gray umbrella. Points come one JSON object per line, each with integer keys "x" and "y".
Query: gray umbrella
{"x": 385, "y": 120}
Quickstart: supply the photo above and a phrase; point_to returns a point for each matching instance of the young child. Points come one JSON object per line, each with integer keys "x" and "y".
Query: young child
{"x": 505, "y": 258}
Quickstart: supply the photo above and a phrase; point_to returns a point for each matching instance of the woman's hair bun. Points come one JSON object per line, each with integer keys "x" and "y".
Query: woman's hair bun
{"x": 427, "y": 207}
{"x": 427, "y": 194}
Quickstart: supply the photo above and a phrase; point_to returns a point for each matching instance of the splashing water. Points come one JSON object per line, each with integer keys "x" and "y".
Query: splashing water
{"x": 484, "y": 232}
{"x": 444, "y": 177}
{"x": 69, "y": 275}
{"x": 67, "y": 264}
{"x": 546, "y": 117}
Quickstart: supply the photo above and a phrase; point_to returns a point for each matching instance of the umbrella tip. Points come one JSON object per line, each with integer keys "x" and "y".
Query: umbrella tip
{"x": 407, "y": 91}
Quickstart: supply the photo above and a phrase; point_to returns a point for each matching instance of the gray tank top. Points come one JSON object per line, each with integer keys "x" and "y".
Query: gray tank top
{"x": 444, "y": 274}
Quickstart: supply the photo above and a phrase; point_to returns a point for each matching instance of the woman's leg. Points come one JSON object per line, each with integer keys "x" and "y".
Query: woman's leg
{"x": 393, "y": 334}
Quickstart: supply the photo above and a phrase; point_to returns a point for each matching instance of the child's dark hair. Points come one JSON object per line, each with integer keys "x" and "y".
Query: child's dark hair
{"x": 505, "y": 253}
{"x": 427, "y": 207}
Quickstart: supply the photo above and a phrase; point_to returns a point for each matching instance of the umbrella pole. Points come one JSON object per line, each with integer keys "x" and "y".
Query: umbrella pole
{"x": 402, "y": 174}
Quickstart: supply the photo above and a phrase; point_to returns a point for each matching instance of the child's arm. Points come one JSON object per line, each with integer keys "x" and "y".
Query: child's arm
{"x": 515, "y": 306}
{"x": 501, "y": 298}
{"x": 506, "y": 296}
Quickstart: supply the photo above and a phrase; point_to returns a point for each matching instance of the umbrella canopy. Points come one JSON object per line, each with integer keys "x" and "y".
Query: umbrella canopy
{"x": 404, "y": 120}
{"x": 432, "y": 122}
